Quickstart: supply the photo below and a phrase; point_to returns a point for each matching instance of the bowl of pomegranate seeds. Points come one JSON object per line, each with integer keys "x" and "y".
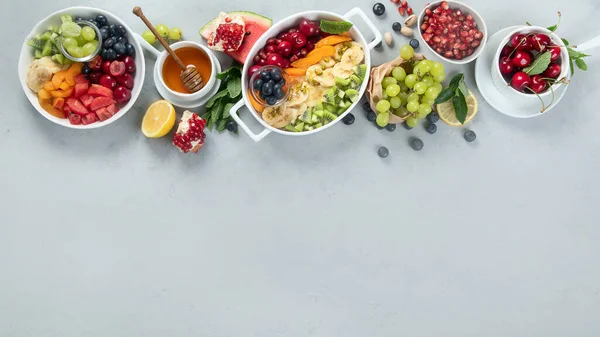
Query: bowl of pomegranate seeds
{"x": 453, "y": 31}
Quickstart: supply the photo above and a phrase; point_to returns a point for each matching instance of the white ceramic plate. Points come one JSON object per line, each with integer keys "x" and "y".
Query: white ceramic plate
{"x": 518, "y": 108}
{"x": 53, "y": 19}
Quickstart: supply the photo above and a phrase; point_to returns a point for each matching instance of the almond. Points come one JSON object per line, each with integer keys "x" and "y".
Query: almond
{"x": 388, "y": 38}
{"x": 406, "y": 31}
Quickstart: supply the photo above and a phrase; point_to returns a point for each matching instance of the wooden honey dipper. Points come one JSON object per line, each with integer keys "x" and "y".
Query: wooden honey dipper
{"x": 190, "y": 77}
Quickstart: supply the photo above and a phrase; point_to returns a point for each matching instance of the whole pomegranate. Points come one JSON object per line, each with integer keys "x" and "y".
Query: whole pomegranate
{"x": 190, "y": 133}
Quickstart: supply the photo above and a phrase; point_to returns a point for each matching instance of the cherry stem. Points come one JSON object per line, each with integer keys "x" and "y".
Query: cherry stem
{"x": 518, "y": 44}
{"x": 540, "y": 98}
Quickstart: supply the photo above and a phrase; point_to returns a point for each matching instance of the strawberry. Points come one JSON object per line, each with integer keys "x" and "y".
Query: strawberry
{"x": 76, "y": 107}
{"x": 86, "y": 100}
{"x": 75, "y": 119}
{"x": 89, "y": 119}
{"x": 81, "y": 89}
{"x": 98, "y": 90}
{"x": 101, "y": 102}
{"x": 103, "y": 114}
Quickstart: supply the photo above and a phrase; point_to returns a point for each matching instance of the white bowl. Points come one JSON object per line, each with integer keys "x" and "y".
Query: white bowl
{"x": 53, "y": 19}
{"x": 283, "y": 25}
{"x": 467, "y": 10}
{"x": 503, "y": 85}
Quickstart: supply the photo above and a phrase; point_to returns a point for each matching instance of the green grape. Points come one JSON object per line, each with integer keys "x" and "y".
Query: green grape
{"x": 413, "y": 97}
{"x": 424, "y": 110}
{"x": 417, "y": 70}
{"x": 437, "y": 69}
{"x": 175, "y": 34}
{"x": 149, "y": 37}
{"x": 425, "y": 66}
{"x": 402, "y": 112}
{"x": 428, "y": 80}
{"x": 395, "y": 102}
{"x": 438, "y": 86}
{"x": 162, "y": 30}
{"x": 88, "y": 33}
{"x": 383, "y": 106}
{"x": 407, "y": 52}
{"x": 427, "y": 101}
{"x": 411, "y": 121}
{"x": 75, "y": 51}
{"x": 88, "y": 49}
{"x": 410, "y": 80}
{"x": 69, "y": 42}
{"x": 383, "y": 119}
{"x": 393, "y": 90}
{"x": 399, "y": 74}
{"x": 439, "y": 78}
{"x": 385, "y": 96}
{"x": 403, "y": 87}
{"x": 403, "y": 97}
{"x": 431, "y": 93}
{"x": 412, "y": 106}
{"x": 420, "y": 88}
{"x": 80, "y": 41}
{"x": 387, "y": 81}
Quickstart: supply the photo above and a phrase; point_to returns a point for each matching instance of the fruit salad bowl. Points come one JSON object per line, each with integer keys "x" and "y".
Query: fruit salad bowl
{"x": 26, "y": 57}
{"x": 280, "y": 27}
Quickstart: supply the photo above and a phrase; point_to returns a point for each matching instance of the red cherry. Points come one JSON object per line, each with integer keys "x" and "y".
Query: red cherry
{"x": 94, "y": 77}
{"x": 262, "y": 62}
{"x": 129, "y": 63}
{"x": 272, "y": 41}
{"x": 298, "y": 40}
{"x": 270, "y": 48}
{"x": 553, "y": 71}
{"x": 539, "y": 42}
{"x": 308, "y": 28}
{"x": 506, "y": 50}
{"x": 274, "y": 59}
{"x": 253, "y": 69}
{"x": 538, "y": 84}
{"x": 108, "y": 82}
{"x": 506, "y": 66}
{"x": 282, "y": 36}
{"x": 310, "y": 46}
{"x": 521, "y": 59}
{"x": 117, "y": 68}
{"x": 286, "y": 63}
{"x": 554, "y": 52}
{"x": 122, "y": 94}
{"x": 284, "y": 48}
{"x": 521, "y": 42}
{"x": 96, "y": 63}
{"x": 520, "y": 81}
{"x": 126, "y": 80}
{"x": 106, "y": 67}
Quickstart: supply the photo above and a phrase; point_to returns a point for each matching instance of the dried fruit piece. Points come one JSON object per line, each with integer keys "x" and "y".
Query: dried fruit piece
{"x": 314, "y": 57}
{"x": 295, "y": 71}
{"x": 190, "y": 133}
{"x": 332, "y": 40}
{"x": 228, "y": 33}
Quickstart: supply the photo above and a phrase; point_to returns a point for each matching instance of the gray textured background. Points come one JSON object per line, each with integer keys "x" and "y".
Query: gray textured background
{"x": 107, "y": 233}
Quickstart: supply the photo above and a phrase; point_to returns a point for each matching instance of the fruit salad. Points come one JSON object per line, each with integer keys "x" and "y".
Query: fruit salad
{"x": 83, "y": 93}
{"x": 326, "y": 73}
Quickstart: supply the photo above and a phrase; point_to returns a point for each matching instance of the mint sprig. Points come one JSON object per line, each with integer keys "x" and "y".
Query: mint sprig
{"x": 230, "y": 92}
{"x": 539, "y": 64}
{"x": 457, "y": 91}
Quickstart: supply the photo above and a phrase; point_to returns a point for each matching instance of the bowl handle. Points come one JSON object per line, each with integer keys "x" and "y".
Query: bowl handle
{"x": 146, "y": 46}
{"x": 359, "y": 12}
{"x": 591, "y": 44}
{"x": 234, "y": 113}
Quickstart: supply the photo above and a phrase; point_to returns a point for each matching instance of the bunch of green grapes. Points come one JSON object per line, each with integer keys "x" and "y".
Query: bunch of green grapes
{"x": 410, "y": 95}
{"x": 171, "y": 35}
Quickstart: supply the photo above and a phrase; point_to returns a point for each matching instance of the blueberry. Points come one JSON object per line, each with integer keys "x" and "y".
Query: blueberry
{"x": 108, "y": 43}
{"x": 120, "y": 48}
{"x": 276, "y": 85}
{"x": 371, "y": 116}
{"x": 367, "y": 107}
{"x": 378, "y": 9}
{"x": 104, "y": 33}
{"x": 470, "y": 136}
{"x": 278, "y": 93}
{"x": 102, "y": 20}
{"x": 267, "y": 89}
{"x": 271, "y": 100}
{"x": 258, "y": 84}
{"x": 379, "y": 127}
{"x": 265, "y": 75}
{"x": 430, "y": 128}
{"x": 121, "y": 31}
{"x": 123, "y": 40}
{"x": 433, "y": 117}
{"x": 93, "y": 22}
{"x": 383, "y": 152}
{"x": 86, "y": 69}
{"x": 349, "y": 119}
{"x": 276, "y": 74}
{"x": 282, "y": 82}
{"x": 112, "y": 30}
{"x": 416, "y": 144}
{"x": 406, "y": 126}
{"x": 390, "y": 127}
{"x": 396, "y": 26}
{"x": 272, "y": 82}
{"x": 414, "y": 43}
{"x": 130, "y": 50}
{"x": 110, "y": 55}
{"x": 103, "y": 53}
{"x": 232, "y": 126}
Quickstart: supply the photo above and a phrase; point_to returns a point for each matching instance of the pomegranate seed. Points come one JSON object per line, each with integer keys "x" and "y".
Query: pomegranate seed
{"x": 428, "y": 11}
{"x": 448, "y": 54}
{"x": 464, "y": 33}
{"x": 409, "y": 11}
{"x": 424, "y": 26}
{"x": 404, "y": 3}
{"x": 445, "y": 5}
{"x": 469, "y": 39}
{"x": 475, "y": 43}
{"x": 458, "y": 12}
{"x": 452, "y": 36}
{"x": 469, "y": 17}
{"x": 470, "y": 51}
{"x": 430, "y": 30}
{"x": 395, "y": 1}
{"x": 401, "y": 11}
{"x": 437, "y": 39}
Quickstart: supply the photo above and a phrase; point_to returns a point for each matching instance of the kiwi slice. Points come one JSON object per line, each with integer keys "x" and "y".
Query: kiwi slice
{"x": 299, "y": 127}
{"x": 361, "y": 71}
{"x": 352, "y": 95}
{"x": 47, "y": 50}
{"x": 329, "y": 97}
{"x": 335, "y": 27}
{"x": 318, "y": 125}
{"x": 36, "y": 43}
{"x": 307, "y": 116}
{"x": 37, "y": 54}
{"x": 290, "y": 128}
{"x": 315, "y": 119}
{"x": 60, "y": 58}
{"x": 46, "y": 35}
{"x": 329, "y": 116}
{"x": 342, "y": 82}
{"x": 318, "y": 112}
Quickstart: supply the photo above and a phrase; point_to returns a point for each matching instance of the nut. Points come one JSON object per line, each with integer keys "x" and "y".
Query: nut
{"x": 388, "y": 38}
{"x": 406, "y": 31}
{"x": 410, "y": 21}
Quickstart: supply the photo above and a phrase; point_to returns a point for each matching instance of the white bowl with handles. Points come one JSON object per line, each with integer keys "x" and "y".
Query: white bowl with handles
{"x": 53, "y": 19}
{"x": 283, "y": 25}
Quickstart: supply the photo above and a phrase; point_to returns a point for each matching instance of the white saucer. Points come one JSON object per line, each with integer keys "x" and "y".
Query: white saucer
{"x": 189, "y": 105}
{"x": 524, "y": 108}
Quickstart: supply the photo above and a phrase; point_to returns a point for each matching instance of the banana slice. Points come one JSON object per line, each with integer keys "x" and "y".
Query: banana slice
{"x": 37, "y": 77}
{"x": 47, "y": 62}
{"x": 352, "y": 57}
{"x": 340, "y": 71}
{"x": 315, "y": 95}
{"x": 298, "y": 94}
{"x": 275, "y": 116}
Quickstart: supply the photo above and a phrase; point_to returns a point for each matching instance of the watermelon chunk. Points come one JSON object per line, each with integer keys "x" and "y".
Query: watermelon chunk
{"x": 112, "y": 109}
{"x": 81, "y": 78}
{"x": 101, "y": 102}
{"x": 89, "y": 119}
{"x": 75, "y": 106}
{"x": 103, "y": 114}
{"x": 74, "y": 119}
{"x": 81, "y": 89}
{"x": 100, "y": 91}
{"x": 86, "y": 100}
{"x": 256, "y": 26}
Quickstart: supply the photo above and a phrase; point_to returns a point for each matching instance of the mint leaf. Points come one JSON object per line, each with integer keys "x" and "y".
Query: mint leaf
{"x": 566, "y": 42}
{"x": 218, "y": 95}
{"x": 217, "y": 111}
{"x": 541, "y": 62}
{"x": 233, "y": 70}
{"x": 462, "y": 87}
{"x": 445, "y": 95}
{"x": 221, "y": 125}
{"x": 209, "y": 123}
{"x": 460, "y": 106}
{"x": 226, "y": 110}
{"x": 552, "y": 28}
{"x": 572, "y": 67}
{"x": 581, "y": 64}
{"x": 575, "y": 54}
{"x": 454, "y": 81}
{"x": 234, "y": 87}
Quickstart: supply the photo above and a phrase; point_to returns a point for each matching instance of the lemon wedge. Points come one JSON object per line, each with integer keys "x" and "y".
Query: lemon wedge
{"x": 159, "y": 119}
